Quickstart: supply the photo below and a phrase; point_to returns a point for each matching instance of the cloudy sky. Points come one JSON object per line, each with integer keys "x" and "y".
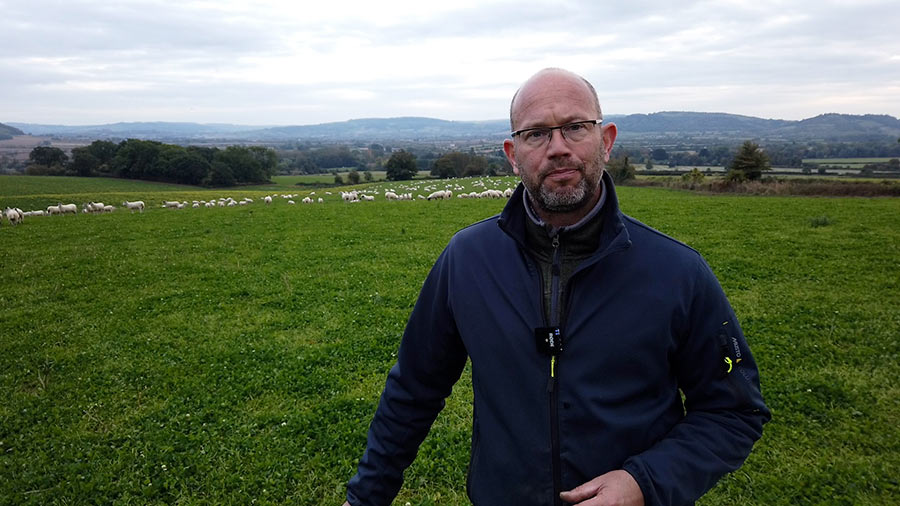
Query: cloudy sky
{"x": 293, "y": 62}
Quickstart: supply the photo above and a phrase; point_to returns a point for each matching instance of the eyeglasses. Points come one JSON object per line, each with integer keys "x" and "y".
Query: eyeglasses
{"x": 572, "y": 132}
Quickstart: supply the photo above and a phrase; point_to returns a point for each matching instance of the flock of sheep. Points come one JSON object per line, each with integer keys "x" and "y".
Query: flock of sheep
{"x": 16, "y": 216}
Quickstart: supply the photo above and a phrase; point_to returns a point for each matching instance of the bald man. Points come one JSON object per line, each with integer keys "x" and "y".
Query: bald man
{"x": 584, "y": 327}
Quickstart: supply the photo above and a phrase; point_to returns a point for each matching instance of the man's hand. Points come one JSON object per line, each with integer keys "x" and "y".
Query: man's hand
{"x": 615, "y": 488}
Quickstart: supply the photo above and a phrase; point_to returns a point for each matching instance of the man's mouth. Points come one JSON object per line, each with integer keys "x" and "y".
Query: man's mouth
{"x": 562, "y": 173}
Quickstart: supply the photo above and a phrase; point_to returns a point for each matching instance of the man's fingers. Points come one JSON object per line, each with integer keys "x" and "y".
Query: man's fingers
{"x": 582, "y": 492}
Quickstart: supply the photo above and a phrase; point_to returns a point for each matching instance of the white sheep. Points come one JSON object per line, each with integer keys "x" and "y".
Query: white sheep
{"x": 137, "y": 205}
{"x": 51, "y": 210}
{"x": 68, "y": 208}
{"x": 108, "y": 208}
{"x": 307, "y": 200}
{"x": 268, "y": 199}
{"x": 13, "y": 216}
{"x": 321, "y": 200}
{"x": 172, "y": 204}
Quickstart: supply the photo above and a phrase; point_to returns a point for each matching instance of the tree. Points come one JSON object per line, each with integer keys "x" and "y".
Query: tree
{"x": 620, "y": 169}
{"x": 748, "y": 163}
{"x": 368, "y": 176}
{"x": 457, "y": 164}
{"x": 659, "y": 154}
{"x": 353, "y": 177}
{"x": 83, "y": 162}
{"x": 48, "y": 156}
{"x": 338, "y": 179}
{"x": 401, "y": 166}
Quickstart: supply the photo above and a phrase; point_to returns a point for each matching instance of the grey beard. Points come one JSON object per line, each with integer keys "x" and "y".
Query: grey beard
{"x": 564, "y": 201}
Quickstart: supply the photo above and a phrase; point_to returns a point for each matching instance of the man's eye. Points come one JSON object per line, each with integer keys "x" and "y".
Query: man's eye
{"x": 577, "y": 127}
{"x": 535, "y": 135}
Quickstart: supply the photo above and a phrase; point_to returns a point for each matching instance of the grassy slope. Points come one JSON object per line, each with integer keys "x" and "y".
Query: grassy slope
{"x": 226, "y": 355}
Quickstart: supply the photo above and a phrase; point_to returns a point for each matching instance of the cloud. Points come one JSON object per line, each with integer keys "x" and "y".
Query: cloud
{"x": 286, "y": 61}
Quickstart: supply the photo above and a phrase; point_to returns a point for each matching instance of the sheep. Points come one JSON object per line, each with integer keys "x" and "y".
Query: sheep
{"x": 96, "y": 207}
{"x": 51, "y": 210}
{"x": 291, "y": 202}
{"x": 135, "y": 205}
{"x": 307, "y": 200}
{"x": 13, "y": 216}
{"x": 440, "y": 194}
{"x": 68, "y": 208}
{"x": 171, "y": 204}
{"x": 321, "y": 200}
{"x": 368, "y": 198}
{"x": 389, "y": 195}
{"x": 268, "y": 199}
{"x": 108, "y": 208}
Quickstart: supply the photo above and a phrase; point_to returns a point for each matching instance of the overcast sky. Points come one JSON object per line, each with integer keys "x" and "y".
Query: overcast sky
{"x": 79, "y": 62}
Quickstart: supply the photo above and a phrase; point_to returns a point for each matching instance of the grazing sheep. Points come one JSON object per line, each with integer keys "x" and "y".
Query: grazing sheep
{"x": 172, "y": 204}
{"x": 108, "y": 208}
{"x": 51, "y": 210}
{"x": 68, "y": 208}
{"x": 321, "y": 200}
{"x": 390, "y": 196}
{"x": 291, "y": 202}
{"x": 268, "y": 199}
{"x": 368, "y": 198}
{"x": 135, "y": 205}
{"x": 307, "y": 200}
{"x": 13, "y": 216}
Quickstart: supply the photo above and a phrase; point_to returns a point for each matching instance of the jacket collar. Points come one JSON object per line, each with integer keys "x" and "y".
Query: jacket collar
{"x": 613, "y": 234}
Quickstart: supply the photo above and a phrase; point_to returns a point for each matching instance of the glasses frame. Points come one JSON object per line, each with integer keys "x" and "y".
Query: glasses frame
{"x": 560, "y": 128}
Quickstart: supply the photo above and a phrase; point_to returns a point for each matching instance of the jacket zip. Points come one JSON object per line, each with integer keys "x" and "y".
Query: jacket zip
{"x": 553, "y": 387}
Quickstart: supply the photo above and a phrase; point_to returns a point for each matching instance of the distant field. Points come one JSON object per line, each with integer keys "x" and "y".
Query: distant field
{"x": 850, "y": 163}
{"x": 236, "y": 355}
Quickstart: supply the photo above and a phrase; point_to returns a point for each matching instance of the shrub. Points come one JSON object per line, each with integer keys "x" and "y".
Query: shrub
{"x": 819, "y": 221}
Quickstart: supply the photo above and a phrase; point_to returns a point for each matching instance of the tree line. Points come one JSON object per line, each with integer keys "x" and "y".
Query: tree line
{"x": 156, "y": 161}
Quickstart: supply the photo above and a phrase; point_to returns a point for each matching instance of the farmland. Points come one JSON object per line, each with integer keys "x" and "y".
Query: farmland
{"x": 236, "y": 355}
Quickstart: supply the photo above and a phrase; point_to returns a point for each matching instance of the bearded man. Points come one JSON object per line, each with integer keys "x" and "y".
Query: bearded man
{"x": 608, "y": 367}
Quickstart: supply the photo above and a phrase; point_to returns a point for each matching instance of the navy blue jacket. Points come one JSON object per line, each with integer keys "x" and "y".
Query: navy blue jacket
{"x": 645, "y": 319}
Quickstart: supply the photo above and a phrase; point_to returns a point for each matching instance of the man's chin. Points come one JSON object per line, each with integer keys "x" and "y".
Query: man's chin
{"x": 565, "y": 201}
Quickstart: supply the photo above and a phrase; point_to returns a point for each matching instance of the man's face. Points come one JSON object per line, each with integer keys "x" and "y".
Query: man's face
{"x": 561, "y": 176}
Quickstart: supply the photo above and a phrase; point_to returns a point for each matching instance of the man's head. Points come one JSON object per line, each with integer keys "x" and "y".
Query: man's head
{"x": 562, "y": 175}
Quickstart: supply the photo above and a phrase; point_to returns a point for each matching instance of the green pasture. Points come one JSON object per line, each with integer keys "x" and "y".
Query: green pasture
{"x": 236, "y": 355}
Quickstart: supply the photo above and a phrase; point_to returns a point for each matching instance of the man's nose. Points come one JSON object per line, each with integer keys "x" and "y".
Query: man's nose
{"x": 557, "y": 145}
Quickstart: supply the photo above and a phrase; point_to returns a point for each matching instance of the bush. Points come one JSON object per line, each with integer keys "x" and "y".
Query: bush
{"x": 620, "y": 170}
{"x": 819, "y": 221}
{"x": 338, "y": 179}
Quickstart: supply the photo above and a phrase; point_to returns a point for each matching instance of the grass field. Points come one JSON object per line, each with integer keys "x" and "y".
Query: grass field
{"x": 236, "y": 355}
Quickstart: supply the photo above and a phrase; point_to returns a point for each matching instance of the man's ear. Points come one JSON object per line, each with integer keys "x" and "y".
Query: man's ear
{"x": 509, "y": 148}
{"x": 609, "y": 131}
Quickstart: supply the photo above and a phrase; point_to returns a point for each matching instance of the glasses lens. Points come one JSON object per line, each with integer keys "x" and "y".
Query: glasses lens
{"x": 536, "y": 137}
{"x": 576, "y": 132}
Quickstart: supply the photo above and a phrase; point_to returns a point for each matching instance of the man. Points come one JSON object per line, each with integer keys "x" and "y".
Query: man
{"x": 584, "y": 328}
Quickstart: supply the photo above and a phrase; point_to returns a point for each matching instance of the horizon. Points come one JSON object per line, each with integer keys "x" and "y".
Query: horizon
{"x": 264, "y": 126}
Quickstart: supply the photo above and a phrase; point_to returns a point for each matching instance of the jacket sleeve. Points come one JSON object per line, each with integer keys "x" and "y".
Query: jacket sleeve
{"x": 430, "y": 361}
{"x": 724, "y": 409}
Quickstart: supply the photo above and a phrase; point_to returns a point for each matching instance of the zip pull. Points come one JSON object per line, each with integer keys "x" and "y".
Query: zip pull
{"x": 551, "y": 383}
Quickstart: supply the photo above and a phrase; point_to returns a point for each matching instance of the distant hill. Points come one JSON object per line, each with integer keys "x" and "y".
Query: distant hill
{"x": 635, "y": 127}
{"x": 7, "y": 132}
